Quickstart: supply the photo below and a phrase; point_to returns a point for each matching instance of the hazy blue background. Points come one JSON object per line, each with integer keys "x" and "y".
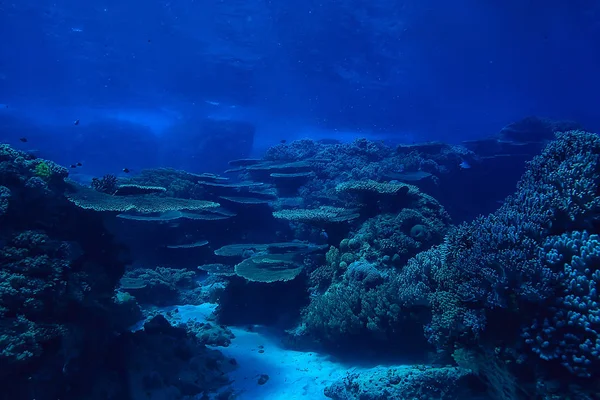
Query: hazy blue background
{"x": 412, "y": 70}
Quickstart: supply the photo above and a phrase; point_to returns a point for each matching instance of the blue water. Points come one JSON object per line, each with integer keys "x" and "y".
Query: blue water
{"x": 420, "y": 70}
{"x": 119, "y": 87}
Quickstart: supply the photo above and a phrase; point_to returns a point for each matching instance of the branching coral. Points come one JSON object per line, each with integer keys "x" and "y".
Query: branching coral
{"x": 364, "y": 301}
{"x": 107, "y": 184}
{"x": 494, "y": 261}
{"x": 570, "y": 333}
{"x": 393, "y": 238}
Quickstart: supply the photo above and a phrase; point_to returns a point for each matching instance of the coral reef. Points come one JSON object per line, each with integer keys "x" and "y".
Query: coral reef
{"x": 139, "y": 200}
{"x": 166, "y": 362}
{"x": 64, "y": 332}
{"x": 349, "y": 246}
{"x": 570, "y": 333}
{"x": 527, "y": 268}
{"x": 417, "y": 382}
{"x": 58, "y": 268}
{"x": 161, "y": 286}
{"x": 522, "y": 278}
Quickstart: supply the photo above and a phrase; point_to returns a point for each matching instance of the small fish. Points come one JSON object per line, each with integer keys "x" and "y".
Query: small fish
{"x": 76, "y": 122}
{"x": 73, "y": 166}
{"x": 126, "y": 170}
{"x": 23, "y": 139}
{"x": 79, "y": 164}
{"x": 283, "y": 141}
{"x": 464, "y": 165}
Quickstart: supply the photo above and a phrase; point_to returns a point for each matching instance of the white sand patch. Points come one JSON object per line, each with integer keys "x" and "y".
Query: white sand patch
{"x": 292, "y": 374}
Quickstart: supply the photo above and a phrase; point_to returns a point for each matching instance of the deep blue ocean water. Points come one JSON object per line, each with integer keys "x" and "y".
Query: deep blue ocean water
{"x": 409, "y": 70}
{"x": 377, "y": 144}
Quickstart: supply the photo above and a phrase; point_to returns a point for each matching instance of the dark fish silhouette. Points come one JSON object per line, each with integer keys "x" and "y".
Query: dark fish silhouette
{"x": 126, "y": 170}
{"x": 76, "y": 122}
{"x": 283, "y": 141}
{"x": 23, "y": 139}
{"x": 79, "y": 164}
{"x": 73, "y": 166}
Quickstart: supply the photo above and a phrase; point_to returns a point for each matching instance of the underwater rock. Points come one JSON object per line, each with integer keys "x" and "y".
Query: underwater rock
{"x": 262, "y": 379}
